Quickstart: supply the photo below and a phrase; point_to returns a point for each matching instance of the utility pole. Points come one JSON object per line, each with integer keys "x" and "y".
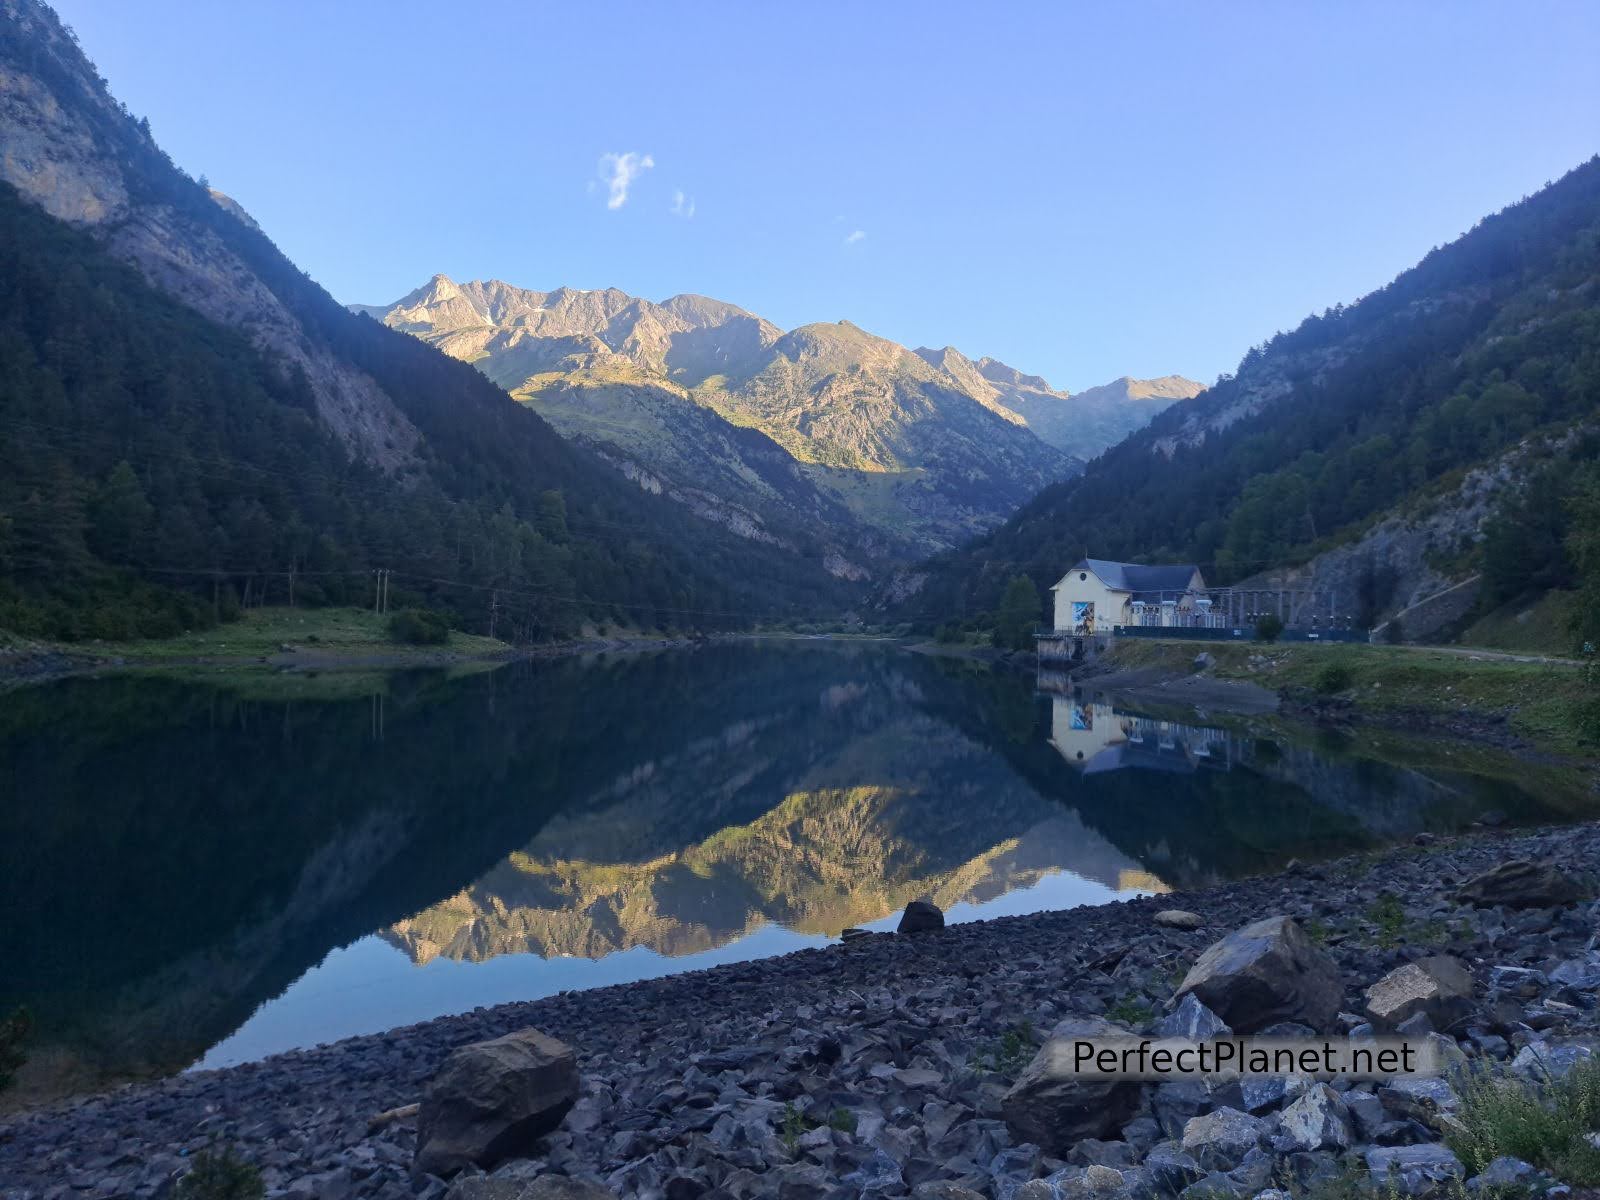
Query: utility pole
{"x": 377, "y": 591}
{"x": 494, "y": 609}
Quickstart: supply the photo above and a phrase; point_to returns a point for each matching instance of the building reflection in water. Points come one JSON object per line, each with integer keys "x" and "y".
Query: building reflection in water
{"x": 1095, "y": 737}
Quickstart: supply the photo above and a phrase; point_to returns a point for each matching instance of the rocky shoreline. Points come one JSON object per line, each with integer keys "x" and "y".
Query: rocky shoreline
{"x": 882, "y": 1066}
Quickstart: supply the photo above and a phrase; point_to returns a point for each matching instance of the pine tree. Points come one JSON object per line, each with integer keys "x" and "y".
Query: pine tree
{"x": 1018, "y": 614}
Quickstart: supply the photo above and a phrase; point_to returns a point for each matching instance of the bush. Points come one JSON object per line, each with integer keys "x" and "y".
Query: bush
{"x": 221, "y": 1175}
{"x": 1394, "y": 632}
{"x": 1334, "y": 677}
{"x": 947, "y": 634}
{"x": 1541, "y": 1124}
{"x": 14, "y": 1030}
{"x": 419, "y": 627}
{"x": 1269, "y": 627}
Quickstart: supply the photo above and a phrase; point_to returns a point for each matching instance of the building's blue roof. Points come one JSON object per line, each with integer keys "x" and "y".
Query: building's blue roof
{"x": 1137, "y": 578}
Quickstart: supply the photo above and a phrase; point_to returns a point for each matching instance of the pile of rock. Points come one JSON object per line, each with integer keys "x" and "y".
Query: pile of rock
{"x": 935, "y": 1129}
{"x": 910, "y": 1066}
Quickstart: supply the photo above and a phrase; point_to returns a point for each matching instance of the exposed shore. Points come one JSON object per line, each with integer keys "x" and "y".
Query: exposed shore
{"x": 50, "y": 662}
{"x": 695, "y": 1075}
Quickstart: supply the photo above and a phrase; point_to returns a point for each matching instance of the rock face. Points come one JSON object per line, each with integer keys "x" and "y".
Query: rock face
{"x": 1265, "y": 973}
{"x": 1521, "y": 884}
{"x": 70, "y": 149}
{"x": 1053, "y": 1107}
{"x": 1439, "y": 988}
{"x": 492, "y": 1100}
{"x": 921, "y": 916}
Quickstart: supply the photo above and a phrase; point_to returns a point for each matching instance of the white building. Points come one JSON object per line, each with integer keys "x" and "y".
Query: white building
{"x": 1096, "y": 595}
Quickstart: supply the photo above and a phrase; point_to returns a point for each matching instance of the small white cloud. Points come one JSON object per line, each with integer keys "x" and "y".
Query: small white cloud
{"x": 682, "y": 206}
{"x": 854, "y": 236}
{"x": 619, "y": 171}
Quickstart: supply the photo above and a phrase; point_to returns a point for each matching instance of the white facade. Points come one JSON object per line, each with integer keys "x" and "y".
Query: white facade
{"x": 1106, "y": 607}
{"x": 1095, "y": 596}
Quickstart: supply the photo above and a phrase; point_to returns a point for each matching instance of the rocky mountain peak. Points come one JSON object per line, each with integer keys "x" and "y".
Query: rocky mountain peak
{"x": 996, "y": 371}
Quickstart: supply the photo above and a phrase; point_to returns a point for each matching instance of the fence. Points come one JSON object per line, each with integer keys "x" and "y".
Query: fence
{"x": 1235, "y": 633}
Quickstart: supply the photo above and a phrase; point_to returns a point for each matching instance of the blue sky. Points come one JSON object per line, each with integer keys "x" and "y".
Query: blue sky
{"x": 1084, "y": 191}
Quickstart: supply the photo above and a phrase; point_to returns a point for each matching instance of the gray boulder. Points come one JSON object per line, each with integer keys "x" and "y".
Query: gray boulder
{"x": 921, "y": 916}
{"x": 942, "y": 1189}
{"x": 1172, "y": 1168}
{"x": 541, "y": 1187}
{"x": 1426, "y": 1099}
{"x": 1054, "y": 1107}
{"x": 1265, "y": 973}
{"x": 1318, "y": 1120}
{"x": 1426, "y": 1170}
{"x": 1504, "y": 1175}
{"x": 1522, "y": 884}
{"x": 1220, "y": 1140}
{"x": 493, "y": 1100}
{"x": 1552, "y": 1060}
{"x": 1438, "y": 988}
{"x": 1177, "y": 918}
{"x": 1193, "y": 1022}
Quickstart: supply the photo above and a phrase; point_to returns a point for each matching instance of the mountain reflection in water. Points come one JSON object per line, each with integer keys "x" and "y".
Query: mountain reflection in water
{"x": 198, "y": 872}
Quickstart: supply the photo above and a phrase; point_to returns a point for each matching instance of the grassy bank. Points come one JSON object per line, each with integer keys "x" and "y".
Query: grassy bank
{"x": 1539, "y": 700}
{"x": 264, "y": 632}
{"x": 1542, "y": 626}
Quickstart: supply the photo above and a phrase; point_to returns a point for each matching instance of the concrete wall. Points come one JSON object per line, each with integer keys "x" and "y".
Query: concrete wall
{"x": 1434, "y": 613}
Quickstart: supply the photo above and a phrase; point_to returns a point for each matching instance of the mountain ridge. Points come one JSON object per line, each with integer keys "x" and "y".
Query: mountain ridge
{"x": 917, "y": 451}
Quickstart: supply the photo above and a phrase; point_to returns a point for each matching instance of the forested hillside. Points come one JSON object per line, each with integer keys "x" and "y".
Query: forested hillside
{"x": 158, "y": 470}
{"x": 192, "y": 423}
{"x": 1369, "y": 409}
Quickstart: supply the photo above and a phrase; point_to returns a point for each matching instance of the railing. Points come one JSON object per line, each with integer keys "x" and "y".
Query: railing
{"x": 1236, "y": 633}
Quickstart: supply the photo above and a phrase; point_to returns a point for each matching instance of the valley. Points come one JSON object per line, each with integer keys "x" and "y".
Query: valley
{"x": 608, "y": 742}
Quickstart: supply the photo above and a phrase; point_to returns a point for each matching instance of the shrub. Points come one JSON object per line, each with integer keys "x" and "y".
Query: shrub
{"x": 947, "y": 634}
{"x": 1334, "y": 677}
{"x": 1541, "y": 1124}
{"x": 1269, "y": 627}
{"x": 221, "y": 1175}
{"x": 1394, "y": 632}
{"x": 14, "y": 1031}
{"x": 419, "y": 627}
{"x": 1130, "y": 1010}
{"x": 1387, "y": 913}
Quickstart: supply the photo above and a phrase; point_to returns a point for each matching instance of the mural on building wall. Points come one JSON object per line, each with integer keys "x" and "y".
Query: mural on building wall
{"x": 1083, "y": 616}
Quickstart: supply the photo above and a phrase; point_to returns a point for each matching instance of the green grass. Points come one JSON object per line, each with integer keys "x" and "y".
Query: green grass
{"x": 1541, "y": 1123}
{"x": 1543, "y": 626}
{"x": 220, "y": 1174}
{"x": 1386, "y": 913}
{"x": 1540, "y": 698}
{"x": 261, "y": 632}
{"x": 1130, "y": 1010}
{"x": 1008, "y": 1053}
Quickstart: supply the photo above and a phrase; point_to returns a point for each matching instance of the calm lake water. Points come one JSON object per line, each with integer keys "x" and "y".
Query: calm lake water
{"x": 208, "y": 872}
